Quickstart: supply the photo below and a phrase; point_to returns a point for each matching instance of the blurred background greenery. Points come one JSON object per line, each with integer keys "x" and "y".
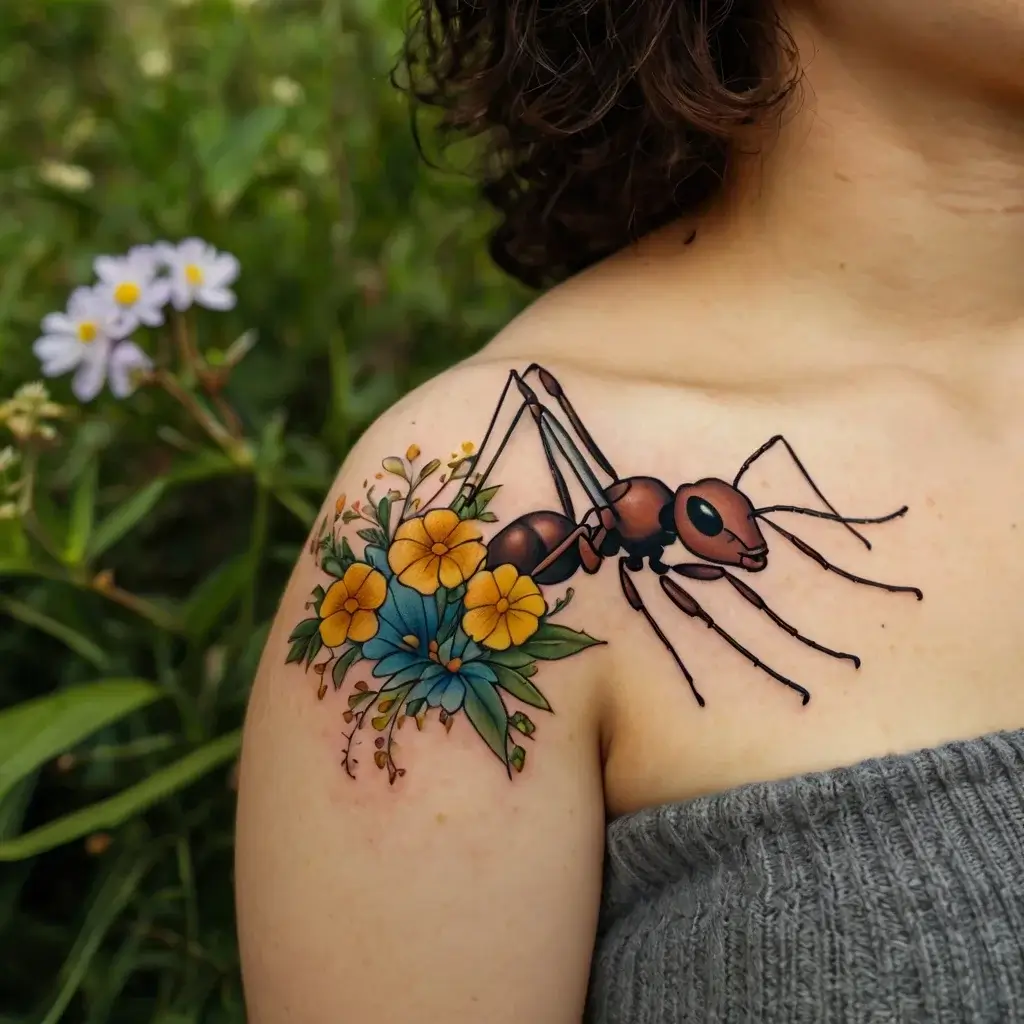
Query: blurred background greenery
{"x": 129, "y": 639}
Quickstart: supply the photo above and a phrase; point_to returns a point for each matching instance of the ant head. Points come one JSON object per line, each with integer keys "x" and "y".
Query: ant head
{"x": 716, "y": 522}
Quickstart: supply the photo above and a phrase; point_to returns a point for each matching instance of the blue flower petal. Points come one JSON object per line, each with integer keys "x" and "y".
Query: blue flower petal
{"x": 444, "y": 653}
{"x": 427, "y": 682}
{"x": 415, "y": 611}
{"x": 405, "y": 675}
{"x": 387, "y": 641}
{"x": 378, "y": 558}
{"x": 479, "y": 671}
{"x": 454, "y": 695}
{"x": 396, "y": 662}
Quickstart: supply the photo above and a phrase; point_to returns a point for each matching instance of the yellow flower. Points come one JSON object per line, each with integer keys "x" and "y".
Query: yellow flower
{"x": 436, "y": 550}
{"x": 504, "y": 608}
{"x": 339, "y": 505}
{"x": 348, "y": 608}
{"x": 412, "y": 452}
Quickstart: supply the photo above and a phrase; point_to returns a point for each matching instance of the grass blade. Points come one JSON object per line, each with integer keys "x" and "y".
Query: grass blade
{"x": 118, "y": 809}
{"x": 71, "y": 638}
{"x": 35, "y": 731}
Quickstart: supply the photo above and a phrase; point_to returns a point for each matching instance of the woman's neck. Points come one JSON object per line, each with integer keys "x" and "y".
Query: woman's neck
{"x": 887, "y": 194}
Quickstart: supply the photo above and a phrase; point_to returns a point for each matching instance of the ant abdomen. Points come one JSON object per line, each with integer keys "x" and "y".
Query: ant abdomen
{"x": 527, "y": 541}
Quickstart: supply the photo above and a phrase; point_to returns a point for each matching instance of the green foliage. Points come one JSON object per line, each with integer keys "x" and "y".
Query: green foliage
{"x": 158, "y": 539}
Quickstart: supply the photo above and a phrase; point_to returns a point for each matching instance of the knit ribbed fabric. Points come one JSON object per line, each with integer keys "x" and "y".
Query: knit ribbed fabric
{"x": 890, "y": 891}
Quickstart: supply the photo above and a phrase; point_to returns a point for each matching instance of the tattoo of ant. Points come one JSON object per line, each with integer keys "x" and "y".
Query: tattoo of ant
{"x": 637, "y": 517}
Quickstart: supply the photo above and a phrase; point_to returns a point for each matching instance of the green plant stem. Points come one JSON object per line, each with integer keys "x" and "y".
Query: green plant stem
{"x": 139, "y": 605}
{"x": 217, "y": 432}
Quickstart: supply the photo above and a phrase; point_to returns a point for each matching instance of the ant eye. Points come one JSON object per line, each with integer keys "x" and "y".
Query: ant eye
{"x": 705, "y": 517}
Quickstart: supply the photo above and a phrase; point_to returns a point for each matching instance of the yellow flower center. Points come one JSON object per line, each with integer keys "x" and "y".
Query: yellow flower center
{"x": 411, "y": 641}
{"x": 351, "y": 605}
{"x": 502, "y": 606}
{"x": 193, "y": 274}
{"x": 454, "y": 665}
{"x": 127, "y": 293}
{"x": 87, "y": 332}
{"x": 439, "y": 549}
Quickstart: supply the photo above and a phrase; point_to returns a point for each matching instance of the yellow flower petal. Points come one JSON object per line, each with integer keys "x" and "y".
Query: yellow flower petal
{"x": 521, "y": 626}
{"x": 466, "y": 529}
{"x": 334, "y": 600}
{"x": 523, "y": 587}
{"x": 364, "y": 626}
{"x": 372, "y": 592}
{"x": 505, "y": 577}
{"x": 422, "y": 575}
{"x": 355, "y": 576}
{"x": 449, "y": 572}
{"x": 479, "y": 623}
{"x": 413, "y": 530}
{"x": 532, "y": 604}
{"x": 439, "y": 523}
{"x": 468, "y": 558}
{"x": 404, "y": 553}
{"x": 334, "y": 629}
{"x": 499, "y": 639}
{"x": 481, "y": 591}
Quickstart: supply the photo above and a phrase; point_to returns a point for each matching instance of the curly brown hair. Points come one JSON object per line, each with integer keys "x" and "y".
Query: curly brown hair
{"x": 603, "y": 119}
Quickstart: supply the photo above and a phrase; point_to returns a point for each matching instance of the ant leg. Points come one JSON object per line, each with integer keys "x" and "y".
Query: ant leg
{"x": 553, "y": 388}
{"x": 637, "y": 604}
{"x": 806, "y": 549}
{"x": 779, "y": 439}
{"x": 556, "y": 474}
{"x": 590, "y": 557}
{"x": 685, "y": 602}
{"x": 699, "y": 571}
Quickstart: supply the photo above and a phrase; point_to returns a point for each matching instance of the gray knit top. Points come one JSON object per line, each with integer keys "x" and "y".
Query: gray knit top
{"x": 891, "y": 891}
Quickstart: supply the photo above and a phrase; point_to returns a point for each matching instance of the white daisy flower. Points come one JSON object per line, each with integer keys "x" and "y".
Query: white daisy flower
{"x": 132, "y": 284}
{"x": 200, "y": 274}
{"x": 127, "y": 364}
{"x": 83, "y": 339}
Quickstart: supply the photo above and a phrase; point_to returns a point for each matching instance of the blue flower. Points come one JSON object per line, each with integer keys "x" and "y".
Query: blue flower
{"x": 407, "y": 647}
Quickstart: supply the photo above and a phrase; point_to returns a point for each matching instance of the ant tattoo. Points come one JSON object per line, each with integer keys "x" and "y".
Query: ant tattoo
{"x": 637, "y": 517}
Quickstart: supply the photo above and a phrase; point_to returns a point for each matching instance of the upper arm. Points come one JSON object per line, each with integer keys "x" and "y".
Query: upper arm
{"x": 392, "y": 868}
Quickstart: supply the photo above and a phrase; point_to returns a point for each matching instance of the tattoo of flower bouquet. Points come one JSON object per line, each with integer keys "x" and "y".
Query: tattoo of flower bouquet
{"x": 442, "y": 629}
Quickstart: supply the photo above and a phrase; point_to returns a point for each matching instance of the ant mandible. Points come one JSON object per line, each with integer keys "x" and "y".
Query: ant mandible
{"x": 640, "y": 516}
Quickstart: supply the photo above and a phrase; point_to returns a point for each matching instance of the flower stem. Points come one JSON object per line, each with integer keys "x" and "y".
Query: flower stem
{"x": 234, "y": 446}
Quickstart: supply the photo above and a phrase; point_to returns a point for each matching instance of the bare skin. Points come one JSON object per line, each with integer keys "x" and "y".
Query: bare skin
{"x": 858, "y": 290}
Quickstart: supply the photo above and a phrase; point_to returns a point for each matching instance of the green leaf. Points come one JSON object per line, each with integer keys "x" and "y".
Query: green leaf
{"x": 484, "y": 497}
{"x": 343, "y": 664}
{"x": 552, "y": 642}
{"x": 306, "y": 628}
{"x": 113, "y": 896}
{"x": 71, "y": 638}
{"x": 431, "y": 467}
{"x": 126, "y": 516}
{"x": 513, "y": 657}
{"x": 36, "y": 731}
{"x": 215, "y": 595}
{"x": 373, "y": 536}
{"x": 83, "y": 509}
{"x": 384, "y": 512}
{"x": 316, "y": 642}
{"x": 520, "y": 687}
{"x": 487, "y": 517}
{"x": 230, "y": 165}
{"x": 346, "y": 550}
{"x": 487, "y": 714}
{"x": 332, "y": 566}
{"x": 298, "y": 650}
{"x": 396, "y": 466}
{"x": 118, "y": 809}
